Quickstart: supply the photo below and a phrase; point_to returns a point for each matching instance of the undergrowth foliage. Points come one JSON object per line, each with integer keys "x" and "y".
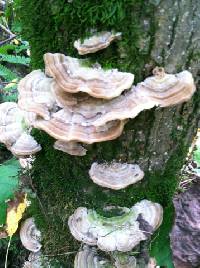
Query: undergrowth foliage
{"x": 14, "y": 59}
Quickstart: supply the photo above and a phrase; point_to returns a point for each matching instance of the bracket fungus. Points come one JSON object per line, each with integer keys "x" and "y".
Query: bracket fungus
{"x": 76, "y": 104}
{"x": 72, "y": 76}
{"x": 72, "y": 148}
{"x": 35, "y": 94}
{"x": 115, "y": 175}
{"x": 125, "y": 261}
{"x": 167, "y": 89}
{"x": 25, "y": 145}
{"x": 88, "y": 258}
{"x": 67, "y": 126}
{"x": 96, "y": 42}
{"x": 14, "y": 130}
{"x": 121, "y": 233}
{"x": 30, "y": 235}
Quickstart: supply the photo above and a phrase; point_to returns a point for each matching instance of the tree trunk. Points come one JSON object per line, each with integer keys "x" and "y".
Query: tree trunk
{"x": 154, "y": 32}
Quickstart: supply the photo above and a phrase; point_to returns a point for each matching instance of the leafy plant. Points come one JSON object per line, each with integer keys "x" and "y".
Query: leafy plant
{"x": 6, "y": 73}
{"x": 8, "y": 184}
{"x": 14, "y": 59}
{"x": 12, "y": 54}
{"x": 196, "y": 156}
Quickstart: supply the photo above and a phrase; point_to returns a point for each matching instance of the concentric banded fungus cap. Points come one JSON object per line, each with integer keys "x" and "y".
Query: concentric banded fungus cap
{"x": 70, "y": 74}
{"x": 115, "y": 175}
{"x": 30, "y": 235}
{"x": 35, "y": 94}
{"x": 67, "y": 127}
{"x": 120, "y": 233}
{"x": 159, "y": 90}
{"x": 88, "y": 258}
{"x": 150, "y": 212}
{"x": 96, "y": 42}
{"x": 167, "y": 89}
{"x": 125, "y": 261}
{"x": 65, "y": 99}
{"x": 10, "y": 123}
{"x": 14, "y": 123}
{"x": 25, "y": 145}
{"x": 72, "y": 148}
{"x": 99, "y": 112}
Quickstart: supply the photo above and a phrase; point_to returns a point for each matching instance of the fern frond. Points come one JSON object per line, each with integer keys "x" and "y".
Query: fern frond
{"x": 10, "y": 98}
{"x": 14, "y": 59}
{"x": 21, "y": 48}
{"x": 7, "y": 74}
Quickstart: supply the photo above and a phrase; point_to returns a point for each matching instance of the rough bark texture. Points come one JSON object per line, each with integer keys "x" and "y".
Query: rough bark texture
{"x": 185, "y": 234}
{"x": 164, "y": 33}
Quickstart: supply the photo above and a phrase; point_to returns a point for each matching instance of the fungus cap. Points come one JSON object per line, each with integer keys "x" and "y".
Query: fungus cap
{"x": 121, "y": 233}
{"x": 167, "y": 89}
{"x": 115, "y": 175}
{"x": 96, "y": 42}
{"x": 35, "y": 94}
{"x": 30, "y": 235}
{"x": 72, "y": 76}
{"x": 25, "y": 145}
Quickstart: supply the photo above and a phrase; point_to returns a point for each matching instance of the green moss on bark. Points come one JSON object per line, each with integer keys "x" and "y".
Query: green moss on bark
{"x": 53, "y": 26}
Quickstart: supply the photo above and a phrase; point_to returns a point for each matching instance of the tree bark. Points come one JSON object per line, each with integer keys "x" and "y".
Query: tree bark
{"x": 164, "y": 33}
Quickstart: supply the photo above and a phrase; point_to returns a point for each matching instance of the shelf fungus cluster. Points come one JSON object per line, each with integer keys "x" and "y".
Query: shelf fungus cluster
{"x": 121, "y": 233}
{"x": 115, "y": 175}
{"x": 14, "y": 130}
{"x": 30, "y": 236}
{"x": 96, "y": 42}
{"x": 89, "y": 257}
{"x": 77, "y": 104}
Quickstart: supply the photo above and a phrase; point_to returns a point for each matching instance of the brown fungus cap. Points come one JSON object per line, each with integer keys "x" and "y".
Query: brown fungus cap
{"x": 115, "y": 175}
{"x": 96, "y": 42}
{"x": 98, "y": 112}
{"x": 30, "y": 235}
{"x": 35, "y": 94}
{"x": 73, "y": 148}
{"x": 25, "y": 145}
{"x": 14, "y": 128}
{"x": 66, "y": 126}
{"x": 72, "y": 76}
{"x": 166, "y": 89}
{"x": 10, "y": 123}
{"x": 87, "y": 257}
{"x": 65, "y": 99}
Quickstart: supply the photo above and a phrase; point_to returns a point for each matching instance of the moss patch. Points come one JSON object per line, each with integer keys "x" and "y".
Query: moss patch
{"x": 53, "y": 26}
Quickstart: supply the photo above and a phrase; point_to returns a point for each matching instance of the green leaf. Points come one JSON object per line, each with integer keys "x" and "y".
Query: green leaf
{"x": 196, "y": 156}
{"x": 8, "y": 184}
{"x": 160, "y": 248}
